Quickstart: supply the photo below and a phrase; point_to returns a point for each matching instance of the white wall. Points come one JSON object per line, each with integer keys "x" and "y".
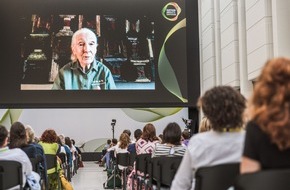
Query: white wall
{"x": 238, "y": 37}
{"x": 84, "y": 125}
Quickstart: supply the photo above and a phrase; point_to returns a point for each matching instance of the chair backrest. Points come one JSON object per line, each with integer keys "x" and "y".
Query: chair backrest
{"x": 122, "y": 159}
{"x": 218, "y": 177}
{"x": 35, "y": 162}
{"x": 10, "y": 174}
{"x": 62, "y": 157}
{"x": 132, "y": 158}
{"x": 142, "y": 161}
{"x": 51, "y": 161}
{"x": 164, "y": 169}
{"x": 266, "y": 180}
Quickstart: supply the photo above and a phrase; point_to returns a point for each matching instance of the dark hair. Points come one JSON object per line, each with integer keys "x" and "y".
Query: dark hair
{"x": 137, "y": 134}
{"x": 114, "y": 141}
{"x": 49, "y": 136}
{"x": 59, "y": 141}
{"x": 68, "y": 141}
{"x": 18, "y": 138}
{"x": 270, "y": 102}
{"x": 172, "y": 134}
{"x": 128, "y": 132}
{"x": 149, "y": 133}
{"x": 73, "y": 141}
{"x": 224, "y": 107}
{"x": 3, "y": 135}
{"x": 109, "y": 141}
{"x": 186, "y": 134}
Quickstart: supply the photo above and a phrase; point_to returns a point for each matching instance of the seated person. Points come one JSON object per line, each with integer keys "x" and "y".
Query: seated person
{"x": 17, "y": 154}
{"x": 185, "y": 137}
{"x": 137, "y": 136}
{"x": 224, "y": 107}
{"x": 267, "y": 144}
{"x": 171, "y": 145}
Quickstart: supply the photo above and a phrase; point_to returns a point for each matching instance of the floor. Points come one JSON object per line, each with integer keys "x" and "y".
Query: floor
{"x": 90, "y": 177}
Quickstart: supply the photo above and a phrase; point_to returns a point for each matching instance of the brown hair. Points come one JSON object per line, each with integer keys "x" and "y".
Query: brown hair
{"x": 270, "y": 102}
{"x": 224, "y": 107}
{"x": 124, "y": 140}
{"x": 149, "y": 133}
{"x": 18, "y": 138}
{"x": 49, "y": 136}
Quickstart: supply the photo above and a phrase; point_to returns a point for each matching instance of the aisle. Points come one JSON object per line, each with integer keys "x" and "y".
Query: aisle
{"x": 90, "y": 177}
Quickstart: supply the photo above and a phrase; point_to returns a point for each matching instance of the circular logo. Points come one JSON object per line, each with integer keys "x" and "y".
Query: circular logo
{"x": 171, "y": 11}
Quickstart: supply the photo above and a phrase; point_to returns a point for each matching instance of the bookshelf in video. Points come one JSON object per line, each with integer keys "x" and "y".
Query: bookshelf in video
{"x": 125, "y": 46}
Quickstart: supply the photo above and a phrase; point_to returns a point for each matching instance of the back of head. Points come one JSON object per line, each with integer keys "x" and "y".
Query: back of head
{"x": 114, "y": 141}
{"x": 224, "y": 107}
{"x": 18, "y": 136}
{"x": 30, "y": 133}
{"x": 3, "y": 135}
{"x": 124, "y": 140}
{"x": 49, "y": 136}
{"x": 149, "y": 132}
{"x": 185, "y": 134}
{"x": 270, "y": 104}
{"x": 137, "y": 134}
{"x": 128, "y": 132}
{"x": 172, "y": 134}
{"x": 68, "y": 141}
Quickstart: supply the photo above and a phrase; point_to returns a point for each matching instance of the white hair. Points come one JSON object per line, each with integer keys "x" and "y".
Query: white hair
{"x": 74, "y": 37}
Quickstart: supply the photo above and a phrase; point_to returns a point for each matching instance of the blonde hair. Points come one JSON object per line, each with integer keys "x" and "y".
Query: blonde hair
{"x": 204, "y": 125}
{"x": 29, "y": 133}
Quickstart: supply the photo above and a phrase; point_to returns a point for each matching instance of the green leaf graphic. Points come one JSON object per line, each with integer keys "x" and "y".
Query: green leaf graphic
{"x": 166, "y": 73}
{"x": 149, "y": 114}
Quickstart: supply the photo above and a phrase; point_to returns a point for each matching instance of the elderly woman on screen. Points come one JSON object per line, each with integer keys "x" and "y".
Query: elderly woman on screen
{"x": 84, "y": 72}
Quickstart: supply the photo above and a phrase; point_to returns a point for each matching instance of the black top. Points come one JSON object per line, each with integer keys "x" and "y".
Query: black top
{"x": 258, "y": 146}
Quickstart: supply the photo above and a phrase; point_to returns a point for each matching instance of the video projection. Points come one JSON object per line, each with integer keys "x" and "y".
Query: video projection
{"x": 149, "y": 50}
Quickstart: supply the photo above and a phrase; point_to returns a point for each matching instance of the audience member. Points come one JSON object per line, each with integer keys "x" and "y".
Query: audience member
{"x": 18, "y": 139}
{"x": 107, "y": 156}
{"x": 224, "y": 107}
{"x": 39, "y": 151}
{"x": 48, "y": 141}
{"x": 18, "y": 155}
{"x": 267, "y": 144}
{"x": 185, "y": 137}
{"x": 137, "y": 136}
{"x": 204, "y": 125}
{"x": 145, "y": 145}
{"x": 68, "y": 142}
{"x": 171, "y": 145}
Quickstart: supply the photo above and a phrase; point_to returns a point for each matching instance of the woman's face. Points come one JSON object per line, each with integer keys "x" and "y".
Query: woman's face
{"x": 85, "y": 48}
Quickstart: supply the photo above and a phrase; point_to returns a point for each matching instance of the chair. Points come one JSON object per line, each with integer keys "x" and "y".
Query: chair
{"x": 265, "y": 180}
{"x": 218, "y": 177}
{"x": 132, "y": 159}
{"x": 51, "y": 163}
{"x": 65, "y": 165}
{"x": 142, "y": 169}
{"x": 122, "y": 159}
{"x": 11, "y": 174}
{"x": 164, "y": 169}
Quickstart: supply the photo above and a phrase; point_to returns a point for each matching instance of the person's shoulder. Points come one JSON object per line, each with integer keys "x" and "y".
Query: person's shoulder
{"x": 18, "y": 151}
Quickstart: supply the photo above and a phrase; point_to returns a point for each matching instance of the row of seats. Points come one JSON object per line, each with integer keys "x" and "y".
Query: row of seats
{"x": 11, "y": 171}
{"x": 149, "y": 172}
{"x": 160, "y": 171}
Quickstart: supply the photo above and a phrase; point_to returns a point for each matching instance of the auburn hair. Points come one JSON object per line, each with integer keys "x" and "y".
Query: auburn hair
{"x": 269, "y": 104}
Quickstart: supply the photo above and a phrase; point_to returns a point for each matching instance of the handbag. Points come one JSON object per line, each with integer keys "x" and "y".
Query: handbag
{"x": 66, "y": 185}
